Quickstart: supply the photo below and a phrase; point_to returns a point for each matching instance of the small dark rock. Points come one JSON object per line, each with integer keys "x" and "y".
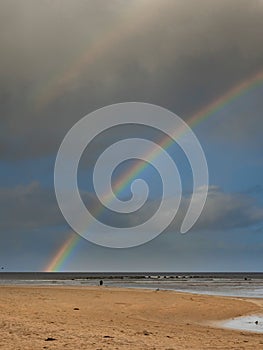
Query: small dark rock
{"x": 76, "y": 308}
{"x": 107, "y": 336}
{"x": 50, "y": 339}
{"x": 256, "y": 322}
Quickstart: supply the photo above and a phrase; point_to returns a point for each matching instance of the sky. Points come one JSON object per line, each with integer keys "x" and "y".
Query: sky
{"x": 61, "y": 60}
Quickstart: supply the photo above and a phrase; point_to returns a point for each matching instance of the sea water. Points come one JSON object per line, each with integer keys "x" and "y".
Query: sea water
{"x": 248, "y": 285}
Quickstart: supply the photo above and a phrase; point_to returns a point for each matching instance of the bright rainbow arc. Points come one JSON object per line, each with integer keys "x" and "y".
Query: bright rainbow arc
{"x": 195, "y": 119}
{"x": 235, "y": 92}
{"x": 62, "y": 254}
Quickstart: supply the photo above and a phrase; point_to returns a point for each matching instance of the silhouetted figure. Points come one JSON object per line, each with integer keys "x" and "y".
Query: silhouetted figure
{"x": 101, "y": 283}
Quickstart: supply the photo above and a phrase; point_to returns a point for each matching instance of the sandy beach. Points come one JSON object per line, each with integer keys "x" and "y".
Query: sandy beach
{"x": 111, "y": 318}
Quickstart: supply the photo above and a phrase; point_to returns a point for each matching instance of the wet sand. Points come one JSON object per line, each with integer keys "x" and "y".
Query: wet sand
{"x": 111, "y": 318}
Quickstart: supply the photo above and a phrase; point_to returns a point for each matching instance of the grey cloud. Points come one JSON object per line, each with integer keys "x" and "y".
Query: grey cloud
{"x": 176, "y": 54}
{"x": 221, "y": 211}
{"x": 28, "y": 207}
{"x": 32, "y": 206}
{"x": 229, "y": 210}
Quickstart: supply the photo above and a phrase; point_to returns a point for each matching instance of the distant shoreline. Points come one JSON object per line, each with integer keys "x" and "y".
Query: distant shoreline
{"x": 224, "y": 284}
{"x": 129, "y": 275}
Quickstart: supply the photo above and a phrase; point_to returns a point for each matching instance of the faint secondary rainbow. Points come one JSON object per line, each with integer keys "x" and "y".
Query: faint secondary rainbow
{"x": 133, "y": 18}
{"x": 207, "y": 111}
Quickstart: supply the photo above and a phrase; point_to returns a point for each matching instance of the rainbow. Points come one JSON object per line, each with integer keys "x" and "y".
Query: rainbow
{"x": 230, "y": 95}
{"x": 207, "y": 111}
{"x": 63, "y": 253}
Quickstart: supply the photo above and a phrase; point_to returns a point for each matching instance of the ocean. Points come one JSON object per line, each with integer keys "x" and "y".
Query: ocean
{"x": 225, "y": 284}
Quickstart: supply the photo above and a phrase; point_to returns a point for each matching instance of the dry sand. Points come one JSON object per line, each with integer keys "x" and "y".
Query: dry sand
{"x": 110, "y": 318}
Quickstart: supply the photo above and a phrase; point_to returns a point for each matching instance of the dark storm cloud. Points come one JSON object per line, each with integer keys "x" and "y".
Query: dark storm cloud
{"x": 181, "y": 57}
